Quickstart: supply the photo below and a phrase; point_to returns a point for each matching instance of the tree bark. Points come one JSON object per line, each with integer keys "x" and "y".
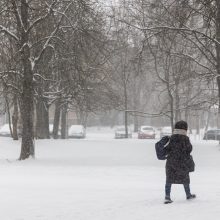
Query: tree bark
{"x": 186, "y": 114}
{"x": 27, "y": 145}
{"x": 171, "y": 107}
{"x": 197, "y": 124}
{"x": 56, "y": 121}
{"x": 42, "y": 120}
{"x": 64, "y": 122}
{"x": 208, "y": 120}
{"x": 136, "y": 123}
{"x": 15, "y": 118}
{"x": 9, "y": 114}
{"x": 126, "y": 112}
{"x": 217, "y": 45}
{"x": 177, "y": 103}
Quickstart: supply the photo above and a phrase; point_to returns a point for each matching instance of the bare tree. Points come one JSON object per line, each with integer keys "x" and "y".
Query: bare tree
{"x": 23, "y": 20}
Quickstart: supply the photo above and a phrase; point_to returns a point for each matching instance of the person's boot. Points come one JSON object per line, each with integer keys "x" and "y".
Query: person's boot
{"x": 167, "y": 200}
{"x": 191, "y": 196}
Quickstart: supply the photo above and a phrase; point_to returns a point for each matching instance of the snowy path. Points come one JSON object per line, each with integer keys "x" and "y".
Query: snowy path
{"x": 103, "y": 179}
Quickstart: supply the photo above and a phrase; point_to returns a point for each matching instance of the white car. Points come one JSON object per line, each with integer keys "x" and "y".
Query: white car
{"x": 5, "y": 131}
{"x": 77, "y": 131}
{"x": 120, "y": 133}
{"x": 166, "y": 131}
{"x": 146, "y": 132}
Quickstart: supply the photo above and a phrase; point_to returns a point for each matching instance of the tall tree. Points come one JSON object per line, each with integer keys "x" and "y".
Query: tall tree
{"x": 20, "y": 21}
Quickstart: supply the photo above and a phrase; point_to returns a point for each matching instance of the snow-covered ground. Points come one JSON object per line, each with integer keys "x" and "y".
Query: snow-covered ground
{"x": 100, "y": 178}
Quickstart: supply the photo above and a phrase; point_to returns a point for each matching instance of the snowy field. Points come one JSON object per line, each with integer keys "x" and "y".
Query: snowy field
{"x": 100, "y": 178}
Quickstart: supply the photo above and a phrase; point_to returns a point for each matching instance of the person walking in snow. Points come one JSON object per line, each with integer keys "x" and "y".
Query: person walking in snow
{"x": 177, "y": 166}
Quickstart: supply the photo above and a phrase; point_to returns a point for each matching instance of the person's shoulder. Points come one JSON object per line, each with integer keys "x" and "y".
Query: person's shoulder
{"x": 187, "y": 137}
{"x": 188, "y": 140}
{"x": 178, "y": 138}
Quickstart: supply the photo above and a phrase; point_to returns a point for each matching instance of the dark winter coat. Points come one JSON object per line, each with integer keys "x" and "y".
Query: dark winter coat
{"x": 178, "y": 151}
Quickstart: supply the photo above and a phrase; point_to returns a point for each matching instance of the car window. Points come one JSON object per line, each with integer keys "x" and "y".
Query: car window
{"x": 120, "y": 129}
{"x": 147, "y": 129}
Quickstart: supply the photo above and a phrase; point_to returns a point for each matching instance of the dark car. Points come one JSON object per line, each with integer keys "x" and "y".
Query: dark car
{"x": 213, "y": 134}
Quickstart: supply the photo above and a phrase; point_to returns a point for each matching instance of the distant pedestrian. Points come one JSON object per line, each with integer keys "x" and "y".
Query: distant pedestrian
{"x": 179, "y": 161}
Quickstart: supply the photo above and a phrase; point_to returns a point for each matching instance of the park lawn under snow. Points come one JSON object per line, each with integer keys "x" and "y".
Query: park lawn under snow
{"x": 100, "y": 178}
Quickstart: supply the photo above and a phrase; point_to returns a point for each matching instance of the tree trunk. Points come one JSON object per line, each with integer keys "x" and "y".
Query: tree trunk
{"x": 15, "y": 118}
{"x": 171, "y": 109}
{"x": 218, "y": 55}
{"x": 208, "y": 120}
{"x": 9, "y": 114}
{"x": 46, "y": 122}
{"x": 126, "y": 124}
{"x": 27, "y": 145}
{"x": 186, "y": 114}
{"x": 42, "y": 120}
{"x": 39, "y": 133}
{"x": 56, "y": 121}
{"x": 84, "y": 119}
{"x": 197, "y": 124}
{"x": 136, "y": 103}
{"x": 126, "y": 112}
{"x": 136, "y": 123}
{"x": 177, "y": 106}
{"x": 218, "y": 84}
{"x": 64, "y": 122}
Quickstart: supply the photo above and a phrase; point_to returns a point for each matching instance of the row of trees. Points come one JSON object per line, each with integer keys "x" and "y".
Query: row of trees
{"x": 53, "y": 52}
{"x": 178, "y": 42}
{"x": 146, "y": 58}
{"x": 182, "y": 37}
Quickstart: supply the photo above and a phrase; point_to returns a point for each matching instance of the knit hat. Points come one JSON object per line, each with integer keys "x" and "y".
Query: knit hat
{"x": 181, "y": 125}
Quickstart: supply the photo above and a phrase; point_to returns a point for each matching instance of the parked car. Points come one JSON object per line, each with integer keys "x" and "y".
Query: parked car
{"x": 146, "y": 132}
{"x": 5, "y": 131}
{"x": 213, "y": 134}
{"x": 77, "y": 131}
{"x": 120, "y": 133}
{"x": 165, "y": 131}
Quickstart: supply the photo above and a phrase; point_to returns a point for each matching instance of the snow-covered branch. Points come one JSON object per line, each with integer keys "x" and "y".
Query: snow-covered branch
{"x": 9, "y": 72}
{"x": 42, "y": 18}
{"x": 194, "y": 60}
{"x": 8, "y": 32}
{"x": 18, "y": 16}
{"x": 179, "y": 29}
{"x": 47, "y": 43}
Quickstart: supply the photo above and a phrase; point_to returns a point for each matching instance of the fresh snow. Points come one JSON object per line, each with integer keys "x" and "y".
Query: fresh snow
{"x": 100, "y": 178}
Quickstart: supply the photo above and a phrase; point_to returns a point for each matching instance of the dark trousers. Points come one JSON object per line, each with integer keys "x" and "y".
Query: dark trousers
{"x": 168, "y": 189}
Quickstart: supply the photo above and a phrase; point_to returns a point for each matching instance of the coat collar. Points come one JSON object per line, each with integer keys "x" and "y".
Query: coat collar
{"x": 180, "y": 131}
